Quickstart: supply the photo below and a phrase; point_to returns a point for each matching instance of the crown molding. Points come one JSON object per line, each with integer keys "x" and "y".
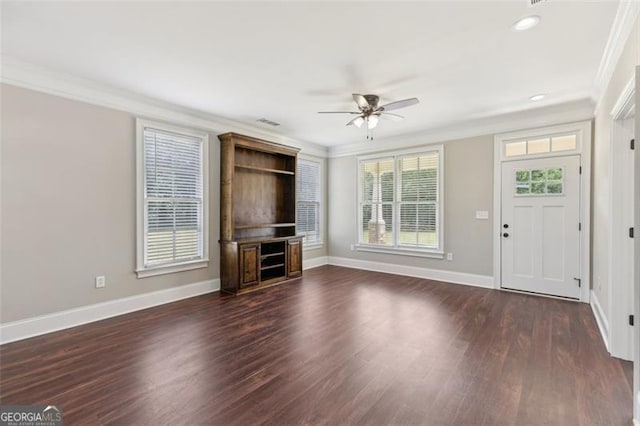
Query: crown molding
{"x": 29, "y": 76}
{"x": 625, "y": 105}
{"x": 628, "y": 12}
{"x": 33, "y": 77}
{"x": 568, "y": 112}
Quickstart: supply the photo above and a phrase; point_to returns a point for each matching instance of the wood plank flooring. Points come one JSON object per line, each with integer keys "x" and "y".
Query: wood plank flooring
{"x": 339, "y": 346}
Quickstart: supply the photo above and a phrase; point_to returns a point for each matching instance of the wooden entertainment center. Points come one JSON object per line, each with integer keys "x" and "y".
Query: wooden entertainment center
{"x": 258, "y": 243}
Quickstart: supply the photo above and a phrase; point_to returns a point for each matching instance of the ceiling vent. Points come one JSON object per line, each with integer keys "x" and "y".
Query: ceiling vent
{"x": 532, "y": 3}
{"x": 269, "y": 122}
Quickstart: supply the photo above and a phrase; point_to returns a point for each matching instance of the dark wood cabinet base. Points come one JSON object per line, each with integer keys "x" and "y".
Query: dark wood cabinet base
{"x": 252, "y": 265}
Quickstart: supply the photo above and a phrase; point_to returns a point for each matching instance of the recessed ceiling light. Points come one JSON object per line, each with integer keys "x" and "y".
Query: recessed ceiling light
{"x": 526, "y": 23}
{"x": 537, "y": 97}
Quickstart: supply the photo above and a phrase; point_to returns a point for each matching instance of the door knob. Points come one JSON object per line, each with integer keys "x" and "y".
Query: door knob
{"x": 506, "y": 234}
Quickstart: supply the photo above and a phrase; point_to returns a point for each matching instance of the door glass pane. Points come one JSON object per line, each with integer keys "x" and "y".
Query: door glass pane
{"x": 523, "y": 182}
{"x": 540, "y": 181}
{"x": 538, "y": 187}
{"x": 537, "y": 175}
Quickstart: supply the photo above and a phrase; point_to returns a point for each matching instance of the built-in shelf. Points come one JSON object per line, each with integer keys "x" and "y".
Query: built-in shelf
{"x": 258, "y": 242}
{"x": 277, "y": 265}
{"x": 264, "y": 169}
{"x": 264, "y": 256}
{"x": 266, "y": 225}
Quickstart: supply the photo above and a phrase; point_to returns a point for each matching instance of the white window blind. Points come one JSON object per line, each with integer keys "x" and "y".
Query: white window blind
{"x": 173, "y": 198}
{"x": 419, "y": 200}
{"x": 308, "y": 199}
{"x": 377, "y": 190}
{"x": 400, "y": 201}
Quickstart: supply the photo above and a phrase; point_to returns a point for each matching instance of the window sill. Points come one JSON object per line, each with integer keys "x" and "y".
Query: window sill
{"x": 433, "y": 254}
{"x": 313, "y": 246}
{"x": 170, "y": 269}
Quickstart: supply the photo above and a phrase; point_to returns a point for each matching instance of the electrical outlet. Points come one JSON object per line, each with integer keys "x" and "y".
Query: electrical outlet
{"x": 449, "y": 256}
{"x": 101, "y": 281}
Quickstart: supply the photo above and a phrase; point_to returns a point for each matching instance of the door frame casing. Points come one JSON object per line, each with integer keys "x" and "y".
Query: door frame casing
{"x": 620, "y": 335}
{"x": 583, "y": 132}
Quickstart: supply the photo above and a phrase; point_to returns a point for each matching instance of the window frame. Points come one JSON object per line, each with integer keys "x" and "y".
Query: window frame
{"x": 397, "y": 247}
{"x": 320, "y": 242}
{"x": 142, "y": 270}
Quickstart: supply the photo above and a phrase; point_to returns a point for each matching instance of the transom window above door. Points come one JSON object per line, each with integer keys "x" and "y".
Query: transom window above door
{"x": 541, "y": 145}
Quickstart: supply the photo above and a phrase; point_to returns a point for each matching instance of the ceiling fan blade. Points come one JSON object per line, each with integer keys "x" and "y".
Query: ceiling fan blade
{"x": 356, "y": 121}
{"x": 399, "y": 104}
{"x": 338, "y": 112}
{"x": 361, "y": 101}
{"x": 392, "y": 117}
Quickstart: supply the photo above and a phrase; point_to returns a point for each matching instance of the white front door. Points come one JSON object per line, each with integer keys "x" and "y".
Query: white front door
{"x": 540, "y": 226}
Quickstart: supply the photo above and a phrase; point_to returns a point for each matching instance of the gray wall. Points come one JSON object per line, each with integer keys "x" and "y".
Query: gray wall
{"x": 69, "y": 206}
{"x": 468, "y": 187}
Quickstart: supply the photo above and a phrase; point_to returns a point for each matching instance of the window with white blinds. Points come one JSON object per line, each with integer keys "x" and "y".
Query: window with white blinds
{"x": 399, "y": 201}
{"x": 308, "y": 201}
{"x": 172, "y": 198}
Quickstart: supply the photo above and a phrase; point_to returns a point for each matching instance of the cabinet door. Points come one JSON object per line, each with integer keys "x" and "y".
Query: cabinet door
{"x": 249, "y": 266}
{"x": 294, "y": 258}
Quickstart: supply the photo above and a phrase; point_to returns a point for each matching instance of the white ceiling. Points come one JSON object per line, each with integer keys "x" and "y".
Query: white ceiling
{"x": 285, "y": 61}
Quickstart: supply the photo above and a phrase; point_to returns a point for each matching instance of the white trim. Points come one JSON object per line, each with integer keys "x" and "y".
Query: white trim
{"x": 636, "y": 422}
{"x": 172, "y": 268}
{"x": 414, "y": 271}
{"x": 142, "y": 270}
{"x": 315, "y": 262}
{"x": 625, "y": 105}
{"x": 620, "y": 179}
{"x": 571, "y": 111}
{"x": 36, "y": 326}
{"x": 623, "y": 23}
{"x": 400, "y": 250}
{"x": 29, "y": 76}
{"x": 601, "y": 319}
{"x": 583, "y": 131}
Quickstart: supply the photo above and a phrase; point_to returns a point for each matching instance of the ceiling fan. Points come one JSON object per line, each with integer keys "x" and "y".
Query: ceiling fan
{"x": 370, "y": 112}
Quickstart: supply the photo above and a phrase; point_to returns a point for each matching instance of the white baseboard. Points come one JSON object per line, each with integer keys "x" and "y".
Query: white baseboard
{"x": 315, "y": 262}
{"x": 484, "y": 281}
{"x": 636, "y": 422}
{"x": 601, "y": 319}
{"x": 30, "y": 327}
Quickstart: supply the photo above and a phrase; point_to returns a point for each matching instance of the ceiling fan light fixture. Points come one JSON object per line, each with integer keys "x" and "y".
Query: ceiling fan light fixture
{"x": 526, "y": 23}
{"x": 372, "y": 121}
{"x": 358, "y": 122}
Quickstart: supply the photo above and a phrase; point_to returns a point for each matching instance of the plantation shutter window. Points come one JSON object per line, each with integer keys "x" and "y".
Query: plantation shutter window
{"x": 308, "y": 196}
{"x": 399, "y": 203}
{"x": 173, "y": 204}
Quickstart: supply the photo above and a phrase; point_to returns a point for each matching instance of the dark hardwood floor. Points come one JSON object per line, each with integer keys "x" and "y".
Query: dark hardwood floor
{"x": 339, "y": 346}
